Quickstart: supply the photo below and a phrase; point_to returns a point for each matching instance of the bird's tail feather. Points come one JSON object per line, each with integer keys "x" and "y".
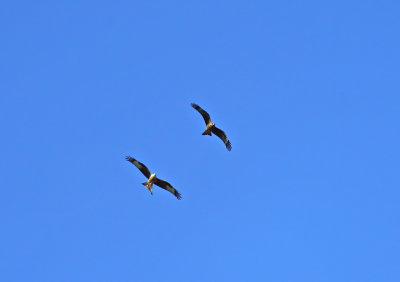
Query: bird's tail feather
{"x": 206, "y": 133}
{"x": 145, "y": 184}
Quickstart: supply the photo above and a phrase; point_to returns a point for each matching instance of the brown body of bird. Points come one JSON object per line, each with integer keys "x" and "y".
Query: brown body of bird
{"x": 152, "y": 179}
{"x": 211, "y": 128}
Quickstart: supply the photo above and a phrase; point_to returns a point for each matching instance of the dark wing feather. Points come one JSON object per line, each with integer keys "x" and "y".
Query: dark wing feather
{"x": 205, "y": 115}
{"x": 165, "y": 185}
{"x": 221, "y": 134}
{"x": 140, "y": 166}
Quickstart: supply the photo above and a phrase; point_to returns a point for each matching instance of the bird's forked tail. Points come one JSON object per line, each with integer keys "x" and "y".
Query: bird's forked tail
{"x": 207, "y": 132}
{"x": 145, "y": 184}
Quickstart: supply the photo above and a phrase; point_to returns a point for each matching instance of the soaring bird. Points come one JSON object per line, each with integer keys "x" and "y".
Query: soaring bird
{"x": 210, "y": 127}
{"x": 152, "y": 179}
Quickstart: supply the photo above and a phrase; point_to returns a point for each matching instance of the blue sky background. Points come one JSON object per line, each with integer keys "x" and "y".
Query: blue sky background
{"x": 307, "y": 91}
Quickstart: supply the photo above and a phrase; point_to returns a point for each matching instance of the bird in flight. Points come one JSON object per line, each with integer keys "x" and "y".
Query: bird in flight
{"x": 210, "y": 127}
{"x": 152, "y": 179}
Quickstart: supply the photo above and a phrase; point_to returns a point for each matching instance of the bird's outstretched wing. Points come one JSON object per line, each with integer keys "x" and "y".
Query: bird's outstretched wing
{"x": 205, "y": 115}
{"x": 165, "y": 185}
{"x": 221, "y": 134}
{"x": 140, "y": 166}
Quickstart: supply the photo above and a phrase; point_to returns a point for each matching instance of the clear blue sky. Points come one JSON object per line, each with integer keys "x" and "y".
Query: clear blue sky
{"x": 307, "y": 91}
